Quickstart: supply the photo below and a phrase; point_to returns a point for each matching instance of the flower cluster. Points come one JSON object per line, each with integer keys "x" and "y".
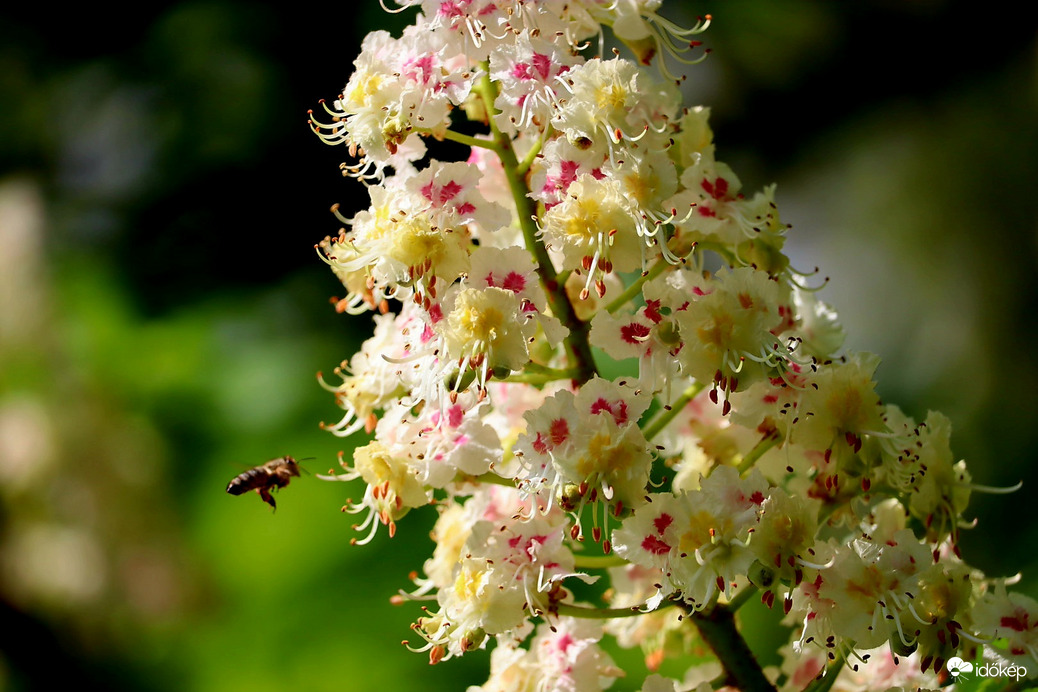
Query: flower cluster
{"x": 729, "y": 450}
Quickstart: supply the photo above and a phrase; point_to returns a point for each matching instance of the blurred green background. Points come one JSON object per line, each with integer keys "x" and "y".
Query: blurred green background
{"x": 163, "y": 313}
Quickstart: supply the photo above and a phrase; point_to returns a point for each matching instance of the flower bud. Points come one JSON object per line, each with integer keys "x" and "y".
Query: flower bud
{"x": 760, "y": 575}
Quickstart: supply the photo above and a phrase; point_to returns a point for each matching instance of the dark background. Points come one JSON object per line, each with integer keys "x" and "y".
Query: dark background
{"x": 163, "y": 311}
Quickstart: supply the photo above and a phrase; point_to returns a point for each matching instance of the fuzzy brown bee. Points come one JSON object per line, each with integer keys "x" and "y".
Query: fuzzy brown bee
{"x": 274, "y": 474}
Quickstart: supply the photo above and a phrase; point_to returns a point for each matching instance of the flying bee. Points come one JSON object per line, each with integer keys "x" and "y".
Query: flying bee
{"x": 274, "y": 474}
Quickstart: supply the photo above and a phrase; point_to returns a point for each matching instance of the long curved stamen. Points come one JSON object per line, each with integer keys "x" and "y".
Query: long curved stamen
{"x": 989, "y": 489}
{"x": 814, "y": 565}
{"x": 398, "y": 10}
{"x": 892, "y": 614}
{"x": 343, "y": 428}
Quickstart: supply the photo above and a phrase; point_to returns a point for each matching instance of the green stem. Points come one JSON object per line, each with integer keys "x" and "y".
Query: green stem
{"x": 598, "y": 561}
{"x": 717, "y": 627}
{"x": 488, "y": 477}
{"x": 757, "y": 452}
{"x": 636, "y": 286}
{"x": 747, "y": 592}
{"x": 470, "y": 141}
{"x": 578, "y": 347}
{"x": 524, "y": 165}
{"x": 832, "y": 671}
{"x": 534, "y": 373}
{"x": 720, "y": 681}
{"x": 719, "y": 249}
{"x": 605, "y": 613}
{"x": 669, "y": 412}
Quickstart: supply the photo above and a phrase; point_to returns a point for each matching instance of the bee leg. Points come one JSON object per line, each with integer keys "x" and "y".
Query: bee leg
{"x": 267, "y": 497}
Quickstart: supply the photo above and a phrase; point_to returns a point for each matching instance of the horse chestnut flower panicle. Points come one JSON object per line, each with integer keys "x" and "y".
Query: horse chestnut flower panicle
{"x": 593, "y": 357}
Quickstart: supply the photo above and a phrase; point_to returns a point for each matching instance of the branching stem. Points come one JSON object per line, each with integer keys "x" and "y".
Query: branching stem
{"x": 717, "y": 627}
{"x": 635, "y": 288}
{"x": 670, "y": 412}
{"x": 757, "y": 452}
{"x": 471, "y": 141}
{"x": 577, "y": 345}
{"x": 598, "y": 561}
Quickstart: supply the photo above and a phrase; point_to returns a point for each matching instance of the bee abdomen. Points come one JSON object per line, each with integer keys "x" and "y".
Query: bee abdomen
{"x": 247, "y": 481}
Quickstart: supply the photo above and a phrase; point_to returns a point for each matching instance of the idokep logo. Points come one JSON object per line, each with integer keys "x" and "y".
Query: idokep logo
{"x": 957, "y": 668}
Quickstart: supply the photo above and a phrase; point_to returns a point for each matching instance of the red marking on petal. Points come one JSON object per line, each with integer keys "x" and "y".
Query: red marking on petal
{"x": 514, "y": 282}
{"x": 621, "y": 416}
{"x": 662, "y": 522}
{"x": 634, "y": 332}
{"x": 559, "y": 431}
{"x": 1014, "y": 623}
{"x": 654, "y": 545}
{"x": 720, "y": 188}
{"x": 652, "y": 311}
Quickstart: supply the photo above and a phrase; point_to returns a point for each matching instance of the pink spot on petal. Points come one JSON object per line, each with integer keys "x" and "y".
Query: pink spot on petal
{"x": 542, "y": 63}
{"x": 449, "y": 191}
{"x": 564, "y": 642}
